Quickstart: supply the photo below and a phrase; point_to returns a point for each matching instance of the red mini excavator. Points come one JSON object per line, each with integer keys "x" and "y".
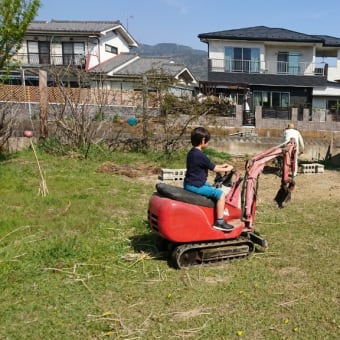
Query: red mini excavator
{"x": 184, "y": 220}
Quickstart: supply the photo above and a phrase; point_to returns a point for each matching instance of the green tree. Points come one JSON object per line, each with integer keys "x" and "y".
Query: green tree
{"x": 15, "y": 16}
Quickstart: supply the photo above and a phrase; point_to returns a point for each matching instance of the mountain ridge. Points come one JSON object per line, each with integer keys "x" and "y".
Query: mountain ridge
{"x": 194, "y": 59}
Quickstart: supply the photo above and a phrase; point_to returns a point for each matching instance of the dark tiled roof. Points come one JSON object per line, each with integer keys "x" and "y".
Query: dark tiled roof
{"x": 71, "y": 26}
{"x": 145, "y": 64}
{"x": 333, "y": 84}
{"x": 329, "y": 41}
{"x": 268, "y": 79}
{"x": 113, "y": 63}
{"x": 263, "y": 33}
{"x": 139, "y": 66}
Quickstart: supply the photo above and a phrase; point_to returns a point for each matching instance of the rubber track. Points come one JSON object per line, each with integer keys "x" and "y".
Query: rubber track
{"x": 195, "y": 258}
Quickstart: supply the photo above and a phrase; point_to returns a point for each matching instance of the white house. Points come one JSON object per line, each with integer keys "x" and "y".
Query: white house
{"x": 279, "y": 68}
{"x": 101, "y": 48}
{"x": 83, "y": 43}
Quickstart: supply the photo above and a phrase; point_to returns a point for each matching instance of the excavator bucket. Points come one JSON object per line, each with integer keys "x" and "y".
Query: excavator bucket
{"x": 284, "y": 194}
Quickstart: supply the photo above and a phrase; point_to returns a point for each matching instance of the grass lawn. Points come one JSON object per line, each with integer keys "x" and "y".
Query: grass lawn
{"x": 81, "y": 263}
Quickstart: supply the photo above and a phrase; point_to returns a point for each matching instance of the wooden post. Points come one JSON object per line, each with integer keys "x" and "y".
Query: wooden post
{"x": 43, "y": 104}
{"x": 145, "y": 110}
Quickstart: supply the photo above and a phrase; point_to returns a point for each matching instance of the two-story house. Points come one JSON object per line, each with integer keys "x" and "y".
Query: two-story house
{"x": 100, "y": 48}
{"x": 275, "y": 69}
{"x": 81, "y": 43}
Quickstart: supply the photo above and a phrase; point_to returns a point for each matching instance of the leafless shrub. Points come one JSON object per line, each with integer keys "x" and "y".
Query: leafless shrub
{"x": 177, "y": 114}
{"x": 79, "y": 117}
{"x": 76, "y": 125}
{"x": 8, "y": 122}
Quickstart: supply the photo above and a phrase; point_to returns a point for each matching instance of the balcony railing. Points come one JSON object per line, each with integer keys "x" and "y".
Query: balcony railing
{"x": 49, "y": 59}
{"x": 267, "y": 67}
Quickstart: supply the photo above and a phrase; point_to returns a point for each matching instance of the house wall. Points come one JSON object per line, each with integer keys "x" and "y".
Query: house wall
{"x": 116, "y": 40}
{"x": 98, "y": 54}
{"x": 319, "y": 103}
{"x": 94, "y": 52}
{"x": 216, "y": 48}
{"x": 268, "y": 53}
{"x": 56, "y": 49}
{"x": 326, "y": 91}
{"x": 334, "y": 70}
{"x": 322, "y": 95}
{"x": 23, "y": 49}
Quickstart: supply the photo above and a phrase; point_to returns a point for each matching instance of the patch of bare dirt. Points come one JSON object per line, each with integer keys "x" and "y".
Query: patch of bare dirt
{"x": 309, "y": 186}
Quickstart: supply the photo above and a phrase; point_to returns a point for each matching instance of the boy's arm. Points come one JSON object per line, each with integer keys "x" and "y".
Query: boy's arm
{"x": 223, "y": 168}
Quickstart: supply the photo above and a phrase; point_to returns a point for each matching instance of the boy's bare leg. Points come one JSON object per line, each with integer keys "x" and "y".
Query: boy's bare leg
{"x": 220, "y": 223}
{"x": 220, "y": 207}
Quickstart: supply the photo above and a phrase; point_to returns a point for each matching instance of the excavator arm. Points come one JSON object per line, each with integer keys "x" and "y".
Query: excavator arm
{"x": 253, "y": 169}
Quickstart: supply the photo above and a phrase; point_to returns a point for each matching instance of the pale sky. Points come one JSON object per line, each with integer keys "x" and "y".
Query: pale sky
{"x": 180, "y": 21}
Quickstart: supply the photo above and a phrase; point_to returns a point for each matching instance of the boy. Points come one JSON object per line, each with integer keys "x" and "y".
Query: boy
{"x": 196, "y": 176}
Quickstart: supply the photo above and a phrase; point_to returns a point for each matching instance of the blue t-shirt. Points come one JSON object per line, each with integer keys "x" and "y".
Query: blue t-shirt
{"x": 198, "y": 165}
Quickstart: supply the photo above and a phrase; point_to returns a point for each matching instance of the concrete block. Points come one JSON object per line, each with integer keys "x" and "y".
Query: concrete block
{"x": 312, "y": 168}
{"x": 172, "y": 174}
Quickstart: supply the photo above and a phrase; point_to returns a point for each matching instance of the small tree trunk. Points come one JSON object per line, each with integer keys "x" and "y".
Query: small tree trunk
{"x": 43, "y": 104}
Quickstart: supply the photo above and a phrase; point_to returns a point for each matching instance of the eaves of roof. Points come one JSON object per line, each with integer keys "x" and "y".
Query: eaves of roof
{"x": 263, "y": 33}
{"x": 333, "y": 84}
{"x": 329, "y": 41}
{"x": 188, "y": 74}
{"x": 71, "y": 26}
{"x": 268, "y": 79}
{"x": 78, "y": 28}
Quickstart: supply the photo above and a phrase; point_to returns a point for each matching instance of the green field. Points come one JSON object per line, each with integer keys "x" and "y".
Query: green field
{"x": 81, "y": 263}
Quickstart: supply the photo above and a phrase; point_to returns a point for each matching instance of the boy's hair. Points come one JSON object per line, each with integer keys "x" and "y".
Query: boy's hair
{"x": 198, "y": 134}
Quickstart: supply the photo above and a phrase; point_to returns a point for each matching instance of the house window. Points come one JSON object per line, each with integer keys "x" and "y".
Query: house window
{"x": 333, "y": 107}
{"x": 242, "y": 59}
{"x": 288, "y": 63}
{"x": 111, "y": 49}
{"x": 271, "y": 99}
{"x": 73, "y": 53}
{"x": 38, "y": 52}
